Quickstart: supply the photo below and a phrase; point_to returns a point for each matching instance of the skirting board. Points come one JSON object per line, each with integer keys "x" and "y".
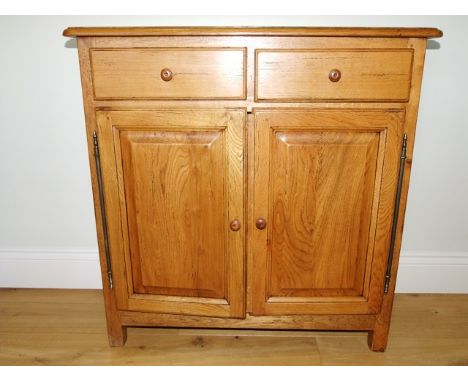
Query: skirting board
{"x": 419, "y": 271}
{"x": 50, "y": 269}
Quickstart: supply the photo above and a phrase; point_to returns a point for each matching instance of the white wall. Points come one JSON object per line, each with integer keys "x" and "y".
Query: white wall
{"x": 47, "y": 233}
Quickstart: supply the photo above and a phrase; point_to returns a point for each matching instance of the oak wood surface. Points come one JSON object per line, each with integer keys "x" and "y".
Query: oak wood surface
{"x": 251, "y": 42}
{"x": 322, "y": 186}
{"x": 378, "y": 338}
{"x": 67, "y": 327}
{"x": 197, "y": 73}
{"x": 324, "y": 181}
{"x": 174, "y": 251}
{"x": 366, "y": 75}
{"x": 168, "y": 221}
{"x": 117, "y": 333}
{"x": 253, "y": 31}
{"x": 178, "y": 309}
{"x": 306, "y": 321}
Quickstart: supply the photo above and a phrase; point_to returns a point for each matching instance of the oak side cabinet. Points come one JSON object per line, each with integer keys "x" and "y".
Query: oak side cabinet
{"x": 250, "y": 177}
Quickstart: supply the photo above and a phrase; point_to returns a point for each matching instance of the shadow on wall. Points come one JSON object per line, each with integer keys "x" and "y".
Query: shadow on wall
{"x": 433, "y": 44}
{"x": 70, "y": 43}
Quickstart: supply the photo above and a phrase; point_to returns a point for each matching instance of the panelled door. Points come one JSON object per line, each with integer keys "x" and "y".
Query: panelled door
{"x": 324, "y": 190}
{"x": 174, "y": 194}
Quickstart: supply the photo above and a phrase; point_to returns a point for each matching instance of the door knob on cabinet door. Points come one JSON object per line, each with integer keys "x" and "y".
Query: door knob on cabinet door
{"x": 260, "y": 223}
{"x": 235, "y": 225}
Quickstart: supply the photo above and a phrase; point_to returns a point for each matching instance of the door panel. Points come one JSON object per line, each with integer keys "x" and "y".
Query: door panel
{"x": 324, "y": 182}
{"x": 322, "y": 191}
{"x": 178, "y": 176}
{"x": 167, "y": 195}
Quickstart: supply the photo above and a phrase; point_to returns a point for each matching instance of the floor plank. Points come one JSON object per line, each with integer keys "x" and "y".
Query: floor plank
{"x": 67, "y": 327}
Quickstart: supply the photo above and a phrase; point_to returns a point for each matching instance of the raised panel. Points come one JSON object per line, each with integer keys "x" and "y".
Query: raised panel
{"x": 174, "y": 181}
{"x": 175, "y": 212}
{"x": 321, "y": 204}
{"x": 325, "y": 182}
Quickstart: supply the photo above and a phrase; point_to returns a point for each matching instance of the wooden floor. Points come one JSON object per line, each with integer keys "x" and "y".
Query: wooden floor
{"x": 67, "y": 327}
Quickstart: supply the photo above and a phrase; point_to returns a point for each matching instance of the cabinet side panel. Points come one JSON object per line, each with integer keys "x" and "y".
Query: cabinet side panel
{"x": 116, "y": 333}
{"x": 379, "y": 337}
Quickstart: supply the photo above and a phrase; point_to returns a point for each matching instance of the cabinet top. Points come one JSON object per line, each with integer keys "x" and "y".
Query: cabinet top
{"x": 252, "y": 31}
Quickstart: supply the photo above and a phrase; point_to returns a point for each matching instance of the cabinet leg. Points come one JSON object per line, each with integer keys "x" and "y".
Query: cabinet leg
{"x": 116, "y": 332}
{"x": 117, "y": 335}
{"x": 378, "y": 338}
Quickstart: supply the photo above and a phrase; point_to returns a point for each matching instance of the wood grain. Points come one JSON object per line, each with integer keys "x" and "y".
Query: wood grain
{"x": 378, "y": 338}
{"x": 290, "y": 75}
{"x": 174, "y": 220}
{"x": 322, "y": 186}
{"x": 305, "y": 263}
{"x": 252, "y": 31}
{"x": 117, "y": 333}
{"x": 296, "y": 322}
{"x": 174, "y": 252}
{"x": 67, "y": 327}
{"x": 162, "y": 127}
{"x": 197, "y": 73}
{"x": 250, "y": 42}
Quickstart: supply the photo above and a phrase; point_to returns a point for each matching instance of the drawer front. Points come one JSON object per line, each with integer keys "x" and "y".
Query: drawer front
{"x": 351, "y": 75}
{"x": 169, "y": 73}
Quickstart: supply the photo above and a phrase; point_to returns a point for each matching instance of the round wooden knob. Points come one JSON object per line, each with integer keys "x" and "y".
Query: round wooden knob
{"x": 235, "y": 225}
{"x": 166, "y": 74}
{"x": 260, "y": 223}
{"x": 334, "y": 75}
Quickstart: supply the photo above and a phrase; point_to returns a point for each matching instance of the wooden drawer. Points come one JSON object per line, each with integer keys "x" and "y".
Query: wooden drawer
{"x": 193, "y": 73}
{"x": 359, "y": 75}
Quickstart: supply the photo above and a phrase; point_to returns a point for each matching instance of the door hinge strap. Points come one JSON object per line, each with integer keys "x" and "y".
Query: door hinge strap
{"x": 97, "y": 160}
{"x": 396, "y": 211}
